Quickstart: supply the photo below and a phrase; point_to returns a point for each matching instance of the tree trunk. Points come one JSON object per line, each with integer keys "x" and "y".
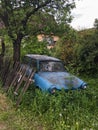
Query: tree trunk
{"x": 3, "y": 47}
{"x": 2, "y": 53}
{"x": 16, "y": 50}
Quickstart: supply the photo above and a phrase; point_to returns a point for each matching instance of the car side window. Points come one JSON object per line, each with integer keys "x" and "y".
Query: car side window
{"x": 51, "y": 66}
{"x": 26, "y": 60}
{"x": 33, "y": 64}
{"x": 46, "y": 66}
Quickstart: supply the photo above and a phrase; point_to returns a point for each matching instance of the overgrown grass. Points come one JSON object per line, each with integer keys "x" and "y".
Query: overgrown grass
{"x": 74, "y": 110}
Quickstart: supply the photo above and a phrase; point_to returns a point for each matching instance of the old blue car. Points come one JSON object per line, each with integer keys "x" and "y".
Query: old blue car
{"x": 51, "y": 74}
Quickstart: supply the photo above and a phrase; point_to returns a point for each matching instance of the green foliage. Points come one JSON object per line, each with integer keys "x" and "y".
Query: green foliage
{"x": 18, "y": 18}
{"x": 33, "y": 46}
{"x": 96, "y": 24}
{"x": 8, "y": 46}
{"x": 64, "y": 49}
{"x": 76, "y": 110}
{"x": 79, "y": 51}
{"x": 43, "y": 23}
{"x": 73, "y": 110}
{"x": 86, "y": 54}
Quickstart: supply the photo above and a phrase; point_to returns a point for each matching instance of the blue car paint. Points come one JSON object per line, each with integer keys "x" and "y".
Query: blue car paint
{"x": 47, "y": 80}
{"x": 42, "y": 83}
{"x": 58, "y": 80}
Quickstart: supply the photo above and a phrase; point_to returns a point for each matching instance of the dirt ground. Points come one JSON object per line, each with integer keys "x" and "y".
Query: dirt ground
{"x": 4, "y": 108}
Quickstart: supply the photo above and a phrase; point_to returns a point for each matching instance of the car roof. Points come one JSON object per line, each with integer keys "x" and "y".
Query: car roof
{"x": 42, "y": 57}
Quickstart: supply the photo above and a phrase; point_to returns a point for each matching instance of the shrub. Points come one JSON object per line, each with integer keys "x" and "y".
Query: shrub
{"x": 86, "y": 54}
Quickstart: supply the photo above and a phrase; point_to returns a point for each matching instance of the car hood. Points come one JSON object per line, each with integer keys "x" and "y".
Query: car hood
{"x": 62, "y": 80}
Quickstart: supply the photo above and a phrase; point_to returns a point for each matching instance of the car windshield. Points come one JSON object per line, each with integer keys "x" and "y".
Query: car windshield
{"x": 51, "y": 66}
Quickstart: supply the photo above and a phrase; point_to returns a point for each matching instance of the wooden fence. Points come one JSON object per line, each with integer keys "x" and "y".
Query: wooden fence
{"x": 13, "y": 77}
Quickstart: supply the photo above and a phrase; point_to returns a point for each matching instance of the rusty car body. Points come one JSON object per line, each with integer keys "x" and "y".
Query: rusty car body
{"x": 51, "y": 75}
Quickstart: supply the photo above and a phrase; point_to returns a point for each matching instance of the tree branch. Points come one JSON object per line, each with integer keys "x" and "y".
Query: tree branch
{"x": 24, "y": 22}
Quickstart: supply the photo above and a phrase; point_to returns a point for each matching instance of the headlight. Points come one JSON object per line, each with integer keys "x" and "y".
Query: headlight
{"x": 52, "y": 90}
{"x": 84, "y": 86}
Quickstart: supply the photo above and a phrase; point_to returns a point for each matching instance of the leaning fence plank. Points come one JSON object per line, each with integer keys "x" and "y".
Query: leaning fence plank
{"x": 17, "y": 77}
{"x": 20, "y": 79}
{"x": 13, "y": 83}
{"x": 25, "y": 87}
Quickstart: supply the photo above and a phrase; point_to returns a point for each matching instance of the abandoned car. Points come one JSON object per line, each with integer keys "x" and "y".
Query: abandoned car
{"x": 51, "y": 74}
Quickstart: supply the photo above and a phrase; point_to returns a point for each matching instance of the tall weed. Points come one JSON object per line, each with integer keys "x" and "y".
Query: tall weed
{"x": 76, "y": 110}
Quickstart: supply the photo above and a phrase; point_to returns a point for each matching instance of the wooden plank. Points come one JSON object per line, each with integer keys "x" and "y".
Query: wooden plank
{"x": 10, "y": 76}
{"x": 20, "y": 79}
{"x": 17, "y": 76}
{"x": 25, "y": 87}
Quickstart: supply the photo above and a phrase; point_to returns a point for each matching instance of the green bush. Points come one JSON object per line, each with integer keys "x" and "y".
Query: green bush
{"x": 32, "y": 45}
{"x": 76, "y": 110}
{"x": 79, "y": 52}
{"x": 86, "y": 54}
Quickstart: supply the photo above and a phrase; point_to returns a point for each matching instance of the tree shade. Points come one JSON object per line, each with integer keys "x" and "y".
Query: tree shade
{"x": 16, "y": 14}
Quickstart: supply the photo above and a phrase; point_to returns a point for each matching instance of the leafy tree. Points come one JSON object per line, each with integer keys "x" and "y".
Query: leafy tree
{"x": 33, "y": 46}
{"x": 16, "y": 15}
{"x": 86, "y": 54}
{"x": 65, "y": 47}
{"x": 96, "y": 24}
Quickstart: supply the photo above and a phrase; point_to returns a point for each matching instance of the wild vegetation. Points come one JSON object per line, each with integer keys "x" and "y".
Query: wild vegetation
{"x": 79, "y": 50}
{"x": 22, "y": 18}
{"x": 73, "y": 110}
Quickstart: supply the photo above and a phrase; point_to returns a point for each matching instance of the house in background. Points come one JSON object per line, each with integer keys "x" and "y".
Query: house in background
{"x": 50, "y": 39}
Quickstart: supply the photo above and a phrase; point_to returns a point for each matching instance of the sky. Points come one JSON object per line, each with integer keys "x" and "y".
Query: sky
{"x": 84, "y": 14}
